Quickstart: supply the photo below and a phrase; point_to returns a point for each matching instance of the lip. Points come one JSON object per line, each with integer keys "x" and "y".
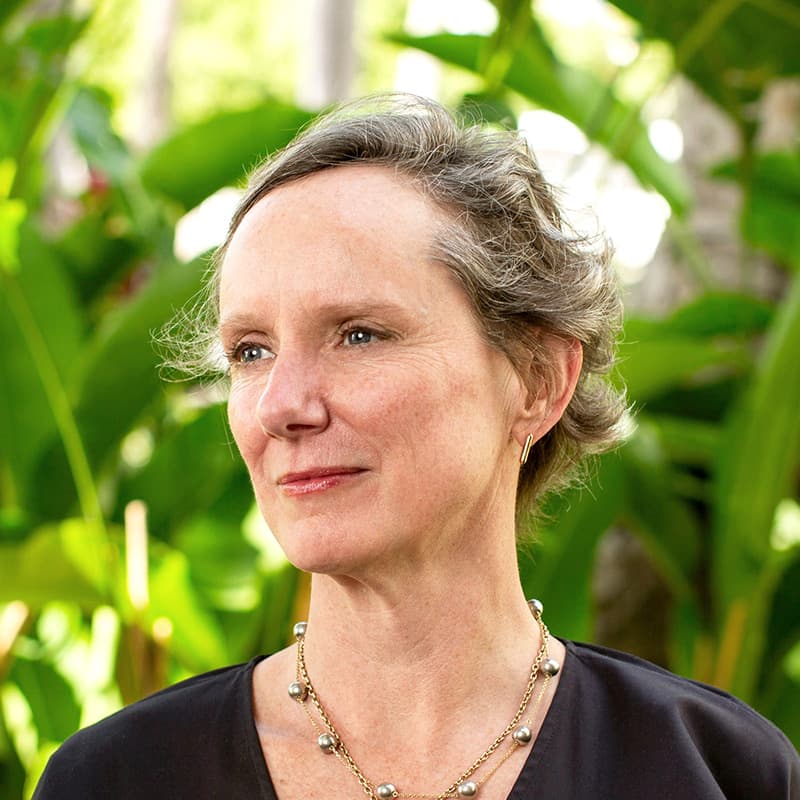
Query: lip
{"x": 317, "y": 479}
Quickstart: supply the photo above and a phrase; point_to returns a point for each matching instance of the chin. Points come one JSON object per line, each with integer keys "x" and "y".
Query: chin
{"x": 324, "y": 547}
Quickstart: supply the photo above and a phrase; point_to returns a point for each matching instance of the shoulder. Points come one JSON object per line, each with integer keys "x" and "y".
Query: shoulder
{"x": 688, "y": 722}
{"x": 146, "y": 744}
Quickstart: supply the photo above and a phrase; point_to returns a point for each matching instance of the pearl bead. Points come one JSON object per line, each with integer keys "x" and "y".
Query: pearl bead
{"x": 536, "y": 606}
{"x": 300, "y": 629}
{"x": 298, "y": 690}
{"x": 386, "y": 791}
{"x": 522, "y": 735}
{"x": 551, "y": 667}
{"x": 327, "y": 742}
{"x": 468, "y": 789}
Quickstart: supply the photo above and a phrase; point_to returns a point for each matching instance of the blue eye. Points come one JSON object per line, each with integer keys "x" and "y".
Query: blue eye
{"x": 358, "y": 336}
{"x": 248, "y": 353}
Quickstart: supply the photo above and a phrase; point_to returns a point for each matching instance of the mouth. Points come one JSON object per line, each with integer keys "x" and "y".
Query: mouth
{"x": 317, "y": 479}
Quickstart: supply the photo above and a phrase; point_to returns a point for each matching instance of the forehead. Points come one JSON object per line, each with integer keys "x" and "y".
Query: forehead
{"x": 322, "y": 232}
{"x": 364, "y": 201}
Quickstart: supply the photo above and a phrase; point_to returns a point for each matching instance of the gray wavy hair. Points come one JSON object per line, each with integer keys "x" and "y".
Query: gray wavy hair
{"x": 529, "y": 275}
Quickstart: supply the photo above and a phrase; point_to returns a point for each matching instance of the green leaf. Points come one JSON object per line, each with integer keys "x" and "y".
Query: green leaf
{"x": 720, "y": 314}
{"x": 665, "y": 524}
{"x": 31, "y": 72}
{"x": 196, "y": 638}
{"x": 56, "y": 713}
{"x": 174, "y": 488}
{"x": 12, "y": 214}
{"x": 219, "y": 152}
{"x": 687, "y": 441}
{"x": 7, "y": 9}
{"x": 89, "y": 118}
{"x": 772, "y": 204}
{"x": 731, "y": 50}
{"x": 40, "y": 570}
{"x": 758, "y": 462}
{"x": 782, "y": 707}
{"x": 40, "y": 322}
{"x": 578, "y": 96}
{"x": 559, "y": 570}
{"x": 224, "y": 565}
{"x": 650, "y": 367}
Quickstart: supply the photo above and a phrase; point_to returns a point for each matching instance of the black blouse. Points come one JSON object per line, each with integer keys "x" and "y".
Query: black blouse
{"x": 618, "y": 728}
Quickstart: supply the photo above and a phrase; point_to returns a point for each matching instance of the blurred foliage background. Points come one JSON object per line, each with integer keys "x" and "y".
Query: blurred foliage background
{"x": 130, "y": 552}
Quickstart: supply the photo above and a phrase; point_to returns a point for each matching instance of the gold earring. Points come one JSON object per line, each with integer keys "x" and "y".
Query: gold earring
{"x": 526, "y": 450}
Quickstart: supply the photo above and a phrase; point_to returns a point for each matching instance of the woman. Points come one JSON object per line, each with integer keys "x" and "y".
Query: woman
{"x": 417, "y": 351}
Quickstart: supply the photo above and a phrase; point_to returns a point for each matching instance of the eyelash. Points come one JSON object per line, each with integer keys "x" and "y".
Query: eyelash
{"x": 234, "y": 355}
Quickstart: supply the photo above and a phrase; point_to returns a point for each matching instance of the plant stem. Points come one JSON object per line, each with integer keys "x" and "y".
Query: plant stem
{"x": 59, "y": 402}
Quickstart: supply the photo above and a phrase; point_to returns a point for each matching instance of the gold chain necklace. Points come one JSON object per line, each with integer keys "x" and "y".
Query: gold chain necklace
{"x": 329, "y": 740}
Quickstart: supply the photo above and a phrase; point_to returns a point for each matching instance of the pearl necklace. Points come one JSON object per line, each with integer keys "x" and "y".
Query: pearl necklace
{"x": 329, "y": 741}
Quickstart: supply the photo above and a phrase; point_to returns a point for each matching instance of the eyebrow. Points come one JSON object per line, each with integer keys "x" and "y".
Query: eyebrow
{"x": 344, "y": 310}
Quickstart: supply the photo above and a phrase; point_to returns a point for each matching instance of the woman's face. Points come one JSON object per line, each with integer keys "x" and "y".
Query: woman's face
{"x": 375, "y": 421}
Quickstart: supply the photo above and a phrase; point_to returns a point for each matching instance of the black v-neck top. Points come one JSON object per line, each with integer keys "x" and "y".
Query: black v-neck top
{"x": 618, "y": 728}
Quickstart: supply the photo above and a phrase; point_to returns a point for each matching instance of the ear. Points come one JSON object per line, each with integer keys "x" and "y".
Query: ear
{"x": 545, "y": 404}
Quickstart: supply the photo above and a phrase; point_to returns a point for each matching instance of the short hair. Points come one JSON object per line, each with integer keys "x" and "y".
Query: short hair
{"x": 529, "y": 275}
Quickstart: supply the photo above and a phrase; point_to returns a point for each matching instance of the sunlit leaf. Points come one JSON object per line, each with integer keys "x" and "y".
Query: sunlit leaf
{"x": 558, "y": 570}
{"x": 40, "y": 570}
{"x": 220, "y": 151}
{"x": 758, "y": 461}
{"x": 196, "y": 638}
{"x": 38, "y": 312}
{"x": 579, "y": 96}
{"x": 175, "y": 489}
{"x": 56, "y": 713}
{"x": 12, "y": 213}
{"x": 732, "y": 51}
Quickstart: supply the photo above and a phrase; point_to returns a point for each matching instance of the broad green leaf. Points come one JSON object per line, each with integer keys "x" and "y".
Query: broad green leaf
{"x": 89, "y": 118}
{"x": 12, "y": 773}
{"x": 39, "y": 570}
{"x": 720, "y": 314}
{"x": 758, "y": 461}
{"x": 662, "y": 519}
{"x": 40, "y": 327}
{"x": 579, "y": 96}
{"x": 558, "y": 571}
{"x": 120, "y": 368}
{"x": 223, "y": 564}
{"x": 196, "y": 638}
{"x": 278, "y": 609}
{"x": 650, "y": 367}
{"x": 219, "y": 152}
{"x": 687, "y": 441}
{"x": 772, "y": 207}
{"x": 783, "y": 630}
{"x": 171, "y": 483}
{"x": 731, "y": 50}
{"x": 56, "y": 713}
{"x": 32, "y": 72}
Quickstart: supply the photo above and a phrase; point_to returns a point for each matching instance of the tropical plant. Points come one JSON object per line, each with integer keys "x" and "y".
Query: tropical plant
{"x": 92, "y": 615}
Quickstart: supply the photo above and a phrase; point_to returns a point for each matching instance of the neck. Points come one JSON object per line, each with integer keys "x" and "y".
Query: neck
{"x": 389, "y": 652}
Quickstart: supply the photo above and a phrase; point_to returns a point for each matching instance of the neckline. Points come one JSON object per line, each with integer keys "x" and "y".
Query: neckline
{"x": 519, "y": 791}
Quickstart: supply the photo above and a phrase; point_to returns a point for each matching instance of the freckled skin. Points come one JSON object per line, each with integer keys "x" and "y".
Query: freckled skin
{"x": 418, "y": 401}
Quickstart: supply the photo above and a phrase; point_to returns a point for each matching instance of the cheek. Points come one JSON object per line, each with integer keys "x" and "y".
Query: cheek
{"x": 243, "y": 421}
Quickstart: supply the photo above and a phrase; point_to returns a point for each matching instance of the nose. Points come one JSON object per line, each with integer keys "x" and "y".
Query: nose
{"x": 292, "y": 403}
